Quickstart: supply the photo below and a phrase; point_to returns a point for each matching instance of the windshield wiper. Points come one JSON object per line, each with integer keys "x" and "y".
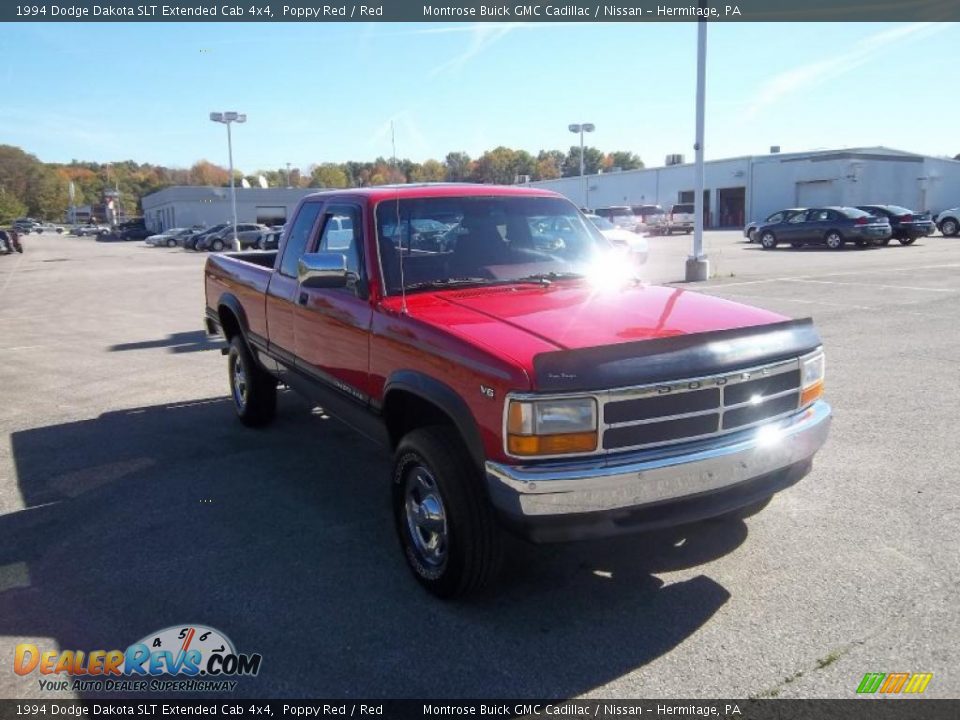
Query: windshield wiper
{"x": 448, "y": 282}
{"x": 547, "y": 277}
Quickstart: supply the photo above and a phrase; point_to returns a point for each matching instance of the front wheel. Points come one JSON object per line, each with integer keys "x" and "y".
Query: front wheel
{"x": 171, "y": 243}
{"x": 254, "y": 391}
{"x": 768, "y": 241}
{"x": 907, "y": 240}
{"x": 216, "y": 245}
{"x": 949, "y": 227}
{"x": 834, "y": 240}
{"x": 445, "y": 523}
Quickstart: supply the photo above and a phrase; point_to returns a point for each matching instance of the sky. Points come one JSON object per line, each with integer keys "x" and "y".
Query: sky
{"x": 321, "y": 92}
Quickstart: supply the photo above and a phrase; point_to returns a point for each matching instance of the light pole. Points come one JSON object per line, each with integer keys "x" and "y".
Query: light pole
{"x": 698, "y": 267}
{"x": 288, "y": 176}
{"x": 582, "y": 128}
{"x": 226, "y": 118}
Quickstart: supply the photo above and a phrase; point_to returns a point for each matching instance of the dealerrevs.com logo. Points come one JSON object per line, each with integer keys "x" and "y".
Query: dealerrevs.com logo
{"x": 182, "y": 658}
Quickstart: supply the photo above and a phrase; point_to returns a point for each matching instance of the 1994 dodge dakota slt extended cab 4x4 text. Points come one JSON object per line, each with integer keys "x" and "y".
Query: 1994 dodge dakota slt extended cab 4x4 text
{"x": 522, "y": 383}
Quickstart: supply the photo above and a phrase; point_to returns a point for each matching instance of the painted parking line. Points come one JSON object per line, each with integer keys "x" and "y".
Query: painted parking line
{"x": 873, "y": 285}
{"x": 877, "y": 271}
{"x": 793, "y": 300}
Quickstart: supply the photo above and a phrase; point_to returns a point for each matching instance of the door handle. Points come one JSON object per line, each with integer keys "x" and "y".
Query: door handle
{"x": 302, "y": 298}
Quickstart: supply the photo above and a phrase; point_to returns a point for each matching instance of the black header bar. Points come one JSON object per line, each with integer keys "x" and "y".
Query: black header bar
{"x": 477, "y": 11}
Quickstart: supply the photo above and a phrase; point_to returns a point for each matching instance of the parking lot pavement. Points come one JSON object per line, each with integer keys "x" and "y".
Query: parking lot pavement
{"x": 131, "y": 501}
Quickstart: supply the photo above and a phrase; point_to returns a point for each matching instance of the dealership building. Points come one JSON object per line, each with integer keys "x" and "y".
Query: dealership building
{"x": 741, "y": 189}
{"x": 186, "y": 206}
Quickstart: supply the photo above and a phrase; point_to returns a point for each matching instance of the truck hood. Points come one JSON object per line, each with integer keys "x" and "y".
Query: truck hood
{"x": 572, "y": 316}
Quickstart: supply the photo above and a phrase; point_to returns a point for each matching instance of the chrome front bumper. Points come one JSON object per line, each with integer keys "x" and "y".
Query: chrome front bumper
{"x": 657, "y": 477}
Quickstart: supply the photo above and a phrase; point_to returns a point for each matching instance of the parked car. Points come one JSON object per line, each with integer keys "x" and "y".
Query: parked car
{"x": 906, "y": 225}
{"x": 135, "y": 232}
{"x": 544, "y": 393}
{"x": 680, "y": 218}
{"x": 91, "y": 230}
{"x": 189, "y": 242}
{"x": 949, "y": 222}
{"x": 25, "y": 226}
{"x": 169, "y": 238}
{"x": 620, "y": 215}
{"x": 247, "y": 234}
{"x": 750, "y": 231}
{"x": 47, "y": 227}
{"x": 269, "y": 240}
{"x": 830, "y": 226}
{"x": 652, "y": 218}
{"x": 635, "y": 243}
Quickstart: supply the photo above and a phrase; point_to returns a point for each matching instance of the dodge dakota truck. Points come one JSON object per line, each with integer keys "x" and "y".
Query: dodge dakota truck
{"x": 533, "y": 387}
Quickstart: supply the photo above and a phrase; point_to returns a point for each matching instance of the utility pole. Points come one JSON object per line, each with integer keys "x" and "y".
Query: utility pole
{"x": 698, "y": 267}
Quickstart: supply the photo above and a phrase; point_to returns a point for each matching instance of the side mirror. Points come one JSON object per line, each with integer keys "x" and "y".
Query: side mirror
{"x": 323, "y": 270}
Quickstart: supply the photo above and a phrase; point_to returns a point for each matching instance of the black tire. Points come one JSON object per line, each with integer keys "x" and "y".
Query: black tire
{"x": 833, "y": 240}
{"x": 688, "y": 231}
{"x": 796, "y": 245}
{"x": 216, "y": 245}
{"x": 768, "y": 241}
{"x": 255, "y": 401}
{"x": 436, "y": 484}
{"x": 171, "y": 243}
{"x": 863, "y": 244}
{"x": 907, "y": 240}
{"x": 950, "y": 227}
{"x": 884, "y": 242}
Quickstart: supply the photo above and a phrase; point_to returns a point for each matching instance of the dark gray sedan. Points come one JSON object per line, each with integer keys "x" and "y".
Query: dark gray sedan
{"x": 830, "y": 226}
{"x": 907, "y": 225}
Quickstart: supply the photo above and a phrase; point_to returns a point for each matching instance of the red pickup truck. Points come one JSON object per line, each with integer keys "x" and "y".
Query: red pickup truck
{"x": 521, "y": 382}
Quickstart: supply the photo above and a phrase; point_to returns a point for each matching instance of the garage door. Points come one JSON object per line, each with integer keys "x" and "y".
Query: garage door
{"x": 817, "y": 193}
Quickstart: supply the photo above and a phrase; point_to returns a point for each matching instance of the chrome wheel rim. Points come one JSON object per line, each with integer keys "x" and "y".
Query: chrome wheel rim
{"x": 949, "y": 227}
{"x": 833, "y": 240}
{"x": 767, "y": 240}
{"x": 240, "y": 387}
{"x": 426, "y": 516}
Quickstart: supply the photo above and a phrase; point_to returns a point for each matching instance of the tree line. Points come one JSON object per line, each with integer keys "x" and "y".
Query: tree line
{"x": 29, "y": 187}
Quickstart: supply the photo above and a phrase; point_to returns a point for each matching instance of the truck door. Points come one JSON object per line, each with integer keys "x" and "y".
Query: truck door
{"x": 282, "y": 290}
{"x": 332, "y": 326}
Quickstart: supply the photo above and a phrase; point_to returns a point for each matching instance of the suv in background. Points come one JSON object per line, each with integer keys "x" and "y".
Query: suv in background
{"x": 650, "y": 218}
{"x": 621, "y": 216}
{"x": 680, "y": 218}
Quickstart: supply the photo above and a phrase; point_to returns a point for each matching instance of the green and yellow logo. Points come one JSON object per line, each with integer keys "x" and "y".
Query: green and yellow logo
{"x": 894, "y": 683}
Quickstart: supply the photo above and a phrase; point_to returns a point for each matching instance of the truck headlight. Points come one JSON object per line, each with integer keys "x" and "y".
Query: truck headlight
{"x": 551, "y": 427}
{"x": 812, "y": 370}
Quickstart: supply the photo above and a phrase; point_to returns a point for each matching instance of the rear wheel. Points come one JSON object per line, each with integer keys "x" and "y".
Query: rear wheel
{"x": 885, "y": 241}
{"x": 446, "y": 526}
{"x": 907, "y": 240}
{"x": 768, "y": 241}
{"x": 863, "y": 244}
{"x": 949, "y": 227}
{"x": 834, "y": 240}
{"x": 171, "y": 243}
{"x": 216, "y": 245}
{"x": 254, "y": 391}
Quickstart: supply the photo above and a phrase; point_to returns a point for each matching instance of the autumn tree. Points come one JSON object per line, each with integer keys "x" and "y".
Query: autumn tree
{"x": 205, "y": 172}
{"x": 459, "y": 166}
{"x": 328, "y": 175}
{"x": 592, "y": 161}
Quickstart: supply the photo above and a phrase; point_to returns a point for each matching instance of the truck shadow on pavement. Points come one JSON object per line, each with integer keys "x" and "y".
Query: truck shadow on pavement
{"x": 178, "y": 342}
{"x": 282, "y": 539}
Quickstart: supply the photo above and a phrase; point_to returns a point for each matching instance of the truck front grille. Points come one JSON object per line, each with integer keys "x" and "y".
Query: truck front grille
{"x": 666, "y": 413}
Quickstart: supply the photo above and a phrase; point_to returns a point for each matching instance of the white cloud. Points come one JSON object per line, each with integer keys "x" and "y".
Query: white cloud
{"x": 791, "y": 81}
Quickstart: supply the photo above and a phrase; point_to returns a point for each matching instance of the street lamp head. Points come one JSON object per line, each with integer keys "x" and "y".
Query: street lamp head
{"x": 230, "y": 116}
{"x": 589, "y": 127}
{"x": 216, "y": 117}
{"x": 242, "y": 118}
{"x": 573, "y": 128}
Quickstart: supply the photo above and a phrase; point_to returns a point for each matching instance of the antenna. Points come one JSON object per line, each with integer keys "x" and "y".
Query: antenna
{"x": 393, "y": 143}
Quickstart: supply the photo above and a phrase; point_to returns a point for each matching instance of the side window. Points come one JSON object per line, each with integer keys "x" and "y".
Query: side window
{"x": 775, "y": 218}
{"x": 298, "y": 238}
{"x": 800, "y": 217}
{"x": 341, "y": 234}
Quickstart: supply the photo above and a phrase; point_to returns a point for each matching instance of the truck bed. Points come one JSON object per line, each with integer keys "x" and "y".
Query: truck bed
{"x": 244, "y": 275}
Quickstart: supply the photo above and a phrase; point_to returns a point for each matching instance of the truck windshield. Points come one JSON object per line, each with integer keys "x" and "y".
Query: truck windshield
{"x": 483, "y": 240}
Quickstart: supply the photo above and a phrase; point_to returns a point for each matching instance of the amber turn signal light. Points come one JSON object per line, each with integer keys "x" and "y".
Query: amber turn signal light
{"x": 552, "y": 444}
{"x": 811, "y": 393}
